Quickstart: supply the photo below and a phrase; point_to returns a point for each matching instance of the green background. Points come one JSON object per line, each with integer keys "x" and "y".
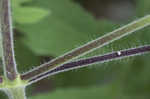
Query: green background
{"x": 45, "y": 29}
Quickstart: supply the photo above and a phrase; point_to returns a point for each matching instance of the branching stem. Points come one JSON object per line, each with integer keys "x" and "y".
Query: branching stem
{"x": 93, "y": 60}
{"x": 100, "y": 42}
{"x": 14, "y": 84}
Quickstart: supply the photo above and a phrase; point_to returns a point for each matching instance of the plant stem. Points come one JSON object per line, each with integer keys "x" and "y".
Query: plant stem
{"x": 16, "y": 93}
{"x": 9, "y": 63}
{"x": 100, "y": 42}
{"x": 93, "y": 60}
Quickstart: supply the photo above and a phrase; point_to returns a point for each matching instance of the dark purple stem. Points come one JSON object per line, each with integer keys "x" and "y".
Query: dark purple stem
{"x": 9, "y": 62}
{"x": 92, "y": 60}
{"x": 1, "y": 80}
{"x": 90, "y": 46}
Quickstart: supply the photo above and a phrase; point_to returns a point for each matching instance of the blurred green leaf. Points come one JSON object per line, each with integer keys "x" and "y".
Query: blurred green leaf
{"x": 34, "y": 14}
{"x": 26, "y": 15}
{"x": 16, "y": 3}
{"x": 142, "y": 7}
{"x": 103, "y": 92}
{"x": 110, "y": 91}
{"x": 0, "y": 45}
{"x": 68, "y": 26}
{"x": 25, "y": 58}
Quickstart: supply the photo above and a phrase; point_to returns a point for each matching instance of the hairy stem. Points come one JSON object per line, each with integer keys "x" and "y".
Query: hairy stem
{"x": 100, "y": 42}
{"x": 16, "y": 93}
{"x": 93, "y": 60}
{"x": 9, "y": 63}
{"x": 1, "y": 80}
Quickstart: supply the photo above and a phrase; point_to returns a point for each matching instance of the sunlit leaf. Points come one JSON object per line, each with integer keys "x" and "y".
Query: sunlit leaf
{"x": 24, "y": 15}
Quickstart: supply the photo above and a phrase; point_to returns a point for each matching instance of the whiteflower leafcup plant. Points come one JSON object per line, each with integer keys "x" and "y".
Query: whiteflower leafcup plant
{"x": 14, "y": 84}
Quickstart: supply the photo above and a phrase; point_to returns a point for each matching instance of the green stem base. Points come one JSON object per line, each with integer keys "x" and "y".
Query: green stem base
{"x": 16, "y": 93}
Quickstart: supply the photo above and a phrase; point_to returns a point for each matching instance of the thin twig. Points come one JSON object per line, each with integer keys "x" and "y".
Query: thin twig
{"x": 93, "y": 60}
{"x": 100, "y": 42}
{"x": 9, "y": 62}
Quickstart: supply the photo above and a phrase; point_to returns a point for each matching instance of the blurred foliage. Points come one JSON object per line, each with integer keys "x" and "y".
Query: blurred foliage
{"x": 0, "y": 46}
{"x": 26, "y": 14}
{"x": 53, "y": 27}
{"x": 103, "y": 92}
{"x": 82, "y": 93}
{"x": 62, "y": 24}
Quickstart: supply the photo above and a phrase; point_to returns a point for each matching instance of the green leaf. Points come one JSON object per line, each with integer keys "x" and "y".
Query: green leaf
{"x": 27, "y": 15}
{"x": 68, "y": 26}
{"x": 24, "y": 57}
{"x": 108, "y": 91}
{"x": 18, "y": 2}
{"x": 0, "y": 45}
{"x": 143, "y": 7}
{"x": 103, "y": 92}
